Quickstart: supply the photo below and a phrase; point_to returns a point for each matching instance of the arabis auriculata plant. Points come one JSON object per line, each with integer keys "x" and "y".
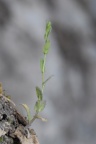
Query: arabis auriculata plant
{"x": 40, "y": 103}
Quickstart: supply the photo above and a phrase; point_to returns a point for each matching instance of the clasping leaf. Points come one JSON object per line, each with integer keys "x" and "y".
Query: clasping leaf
{"x": 42, "y": 65}
{"x": 39, "y": 106}
{"x": 46, "y": 47}
{"x": 39, "y": 93}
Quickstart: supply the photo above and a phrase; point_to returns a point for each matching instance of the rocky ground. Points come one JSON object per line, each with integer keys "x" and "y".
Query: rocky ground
{"x": 13, "y": 125}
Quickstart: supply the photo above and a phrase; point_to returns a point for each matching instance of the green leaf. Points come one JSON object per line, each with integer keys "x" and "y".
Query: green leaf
{"x": 42, "y": 65}
{"x": 48, "y": 25}
{"x": 39, "y": 93}
{"x": 47, "y": 30}
{"x": 47, "y": 80}
{"x": 46, "y": 47}
{"x": 28, "y": 112}
{"x": 36, "y": 107}
{"x": 1, "y": 139}
{"x": 39, "y": 106}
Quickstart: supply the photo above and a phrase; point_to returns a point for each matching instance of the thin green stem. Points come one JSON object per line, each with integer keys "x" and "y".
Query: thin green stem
{"x": 33, "y": 119}
{"x": 43, "y": 74}
{"x": 36, "y": 116}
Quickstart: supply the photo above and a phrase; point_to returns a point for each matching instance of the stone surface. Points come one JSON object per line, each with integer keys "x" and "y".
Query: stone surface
{"x": 12, "y": 125}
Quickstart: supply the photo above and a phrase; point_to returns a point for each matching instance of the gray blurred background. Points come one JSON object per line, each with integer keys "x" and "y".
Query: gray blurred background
{"x": 71, "y": 93}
